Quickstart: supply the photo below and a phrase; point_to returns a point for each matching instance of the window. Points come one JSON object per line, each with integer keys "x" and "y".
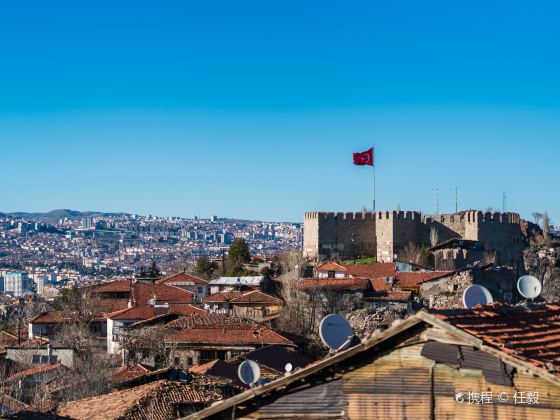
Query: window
{"x": 35, "y": 359}
{"x": 207, "y": 355}
{"x": 235, "y": 353}
{"x": 189, "y": 361}
{"x": 200, "y": 289}
{"x": 177, "y": 361}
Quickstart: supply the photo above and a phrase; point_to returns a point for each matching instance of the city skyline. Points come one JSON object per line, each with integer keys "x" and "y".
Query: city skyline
{"x": 254, "y": 111}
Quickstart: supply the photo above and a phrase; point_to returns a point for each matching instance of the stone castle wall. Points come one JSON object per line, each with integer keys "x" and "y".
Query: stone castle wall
{"x": 384, "y": 234}
{"x": 339, "y": 235}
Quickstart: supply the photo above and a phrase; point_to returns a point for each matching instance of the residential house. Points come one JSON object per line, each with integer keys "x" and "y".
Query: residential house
{"x": 492, "y": 362}
{"x": 228, "y": 284}
{"x": 195, "y": 339}
{"x": 253, "y": 304}
{"x": 188, "y": 282}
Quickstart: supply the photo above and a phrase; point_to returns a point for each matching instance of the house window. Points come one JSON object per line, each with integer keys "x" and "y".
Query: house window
{"x": 331, "y": 274}
{"x": 189, "y": 361}
{"x": 200, "y": 289}
{"x": 35, "y": 359}
{"x": 235, "y": 353}
{"x": 207, "y": 355}
{"x": 177, "y": 361}
{"x": 455, "y": 287}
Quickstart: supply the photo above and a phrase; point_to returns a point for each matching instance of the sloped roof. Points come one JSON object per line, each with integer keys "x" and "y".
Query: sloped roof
{"x": 210, "y": 320}
{"x": 217, "y": 368}
{"x": 35, "y": 370}
{"x": 183, "y": 279}
{"x": 529, "y": 333}
{"x": 461, "y": 323}
{"x": 276, "y": 357}
{"x": 389, "y": 296}
{"x": 143, "y": 292}
{"x": 149, "y": 312}
{"x": 221, "y": 297}
{"x": 127, "y": 373}
{"x": 50, "y": 317}
{"x": 352, "y": 284}
{"x": 237, "y": 336}
{"x": 411, "y": 279}
{"x": 256, "y": 297}
{"x": 372, "y": 270}
{"x": 152, "y": 401}
{"x": 331, "y": 266}
{"x": 115, "y": 286}
{"x": 237, "y": 281}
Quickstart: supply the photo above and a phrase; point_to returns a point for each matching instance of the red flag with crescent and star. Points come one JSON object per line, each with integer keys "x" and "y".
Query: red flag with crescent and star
{"x": 363, "y": 158}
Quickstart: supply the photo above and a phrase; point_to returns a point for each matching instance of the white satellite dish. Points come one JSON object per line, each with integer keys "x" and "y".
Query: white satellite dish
{"x": 288, "y": 368}
{"x": 529, "y": 287}
{"x": 476, "y": 294}
{"x": 249, "y": 372}
{"x": 335, "y": 331}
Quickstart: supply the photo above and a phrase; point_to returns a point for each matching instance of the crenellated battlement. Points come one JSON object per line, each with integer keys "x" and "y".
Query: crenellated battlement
{"x": 398, "y": 215}
{"x": 326, "y": 215}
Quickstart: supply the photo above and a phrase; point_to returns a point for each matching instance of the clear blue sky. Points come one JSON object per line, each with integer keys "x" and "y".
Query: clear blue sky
{"x": 252, "y": 109}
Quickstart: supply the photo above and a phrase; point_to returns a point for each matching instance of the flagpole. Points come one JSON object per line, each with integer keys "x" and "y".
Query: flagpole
{"x": 373, "y": 158}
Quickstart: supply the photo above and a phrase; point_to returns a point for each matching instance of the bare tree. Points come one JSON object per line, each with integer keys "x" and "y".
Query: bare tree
{"x": 489, "y": 257}
{"x": 537, "y": 216}
{"x": 434, "y": 236}
{"x": 546, "y": 228}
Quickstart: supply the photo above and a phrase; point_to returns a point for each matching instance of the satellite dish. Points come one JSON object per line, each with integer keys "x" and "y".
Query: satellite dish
{"x": 476, "y": 294}
{"x": 529, "y": 287}
{"x": 335, "y": 331}
{"x": 288, "y": 368}
{"x": 249, "y": 372}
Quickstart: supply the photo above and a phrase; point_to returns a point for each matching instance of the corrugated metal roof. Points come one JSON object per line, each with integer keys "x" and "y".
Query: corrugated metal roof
{"x": 232, "y": 281}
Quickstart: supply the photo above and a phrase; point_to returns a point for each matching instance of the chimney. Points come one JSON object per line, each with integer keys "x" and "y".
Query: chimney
{"x": 130, "y": 303}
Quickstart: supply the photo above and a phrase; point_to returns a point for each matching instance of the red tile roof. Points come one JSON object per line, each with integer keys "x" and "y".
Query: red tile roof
{"x": 51, "y": 317}
{"x": 153, "y": 401}
{"x": 35, "y": 370}
{"x": 256, "y": 297}
{"x": 330, "y": 266}
{"x": 221, "y": 297}
{"x": 114, "y": 286}
{"x": 531, "y": 334}
{"x": 223, "y": 329}
{"x": 183, "y": 279}
{"x": 143, "y": 292}
{"x": 372, "y": 270}
{"x": 255, "y": 336}
{"x": 411, "y": 279}
{"x": 148, "y": 312}
{"x": 352, "y": 284}
{"x": 390, "y": 295}
{"x": 127, "y": 373}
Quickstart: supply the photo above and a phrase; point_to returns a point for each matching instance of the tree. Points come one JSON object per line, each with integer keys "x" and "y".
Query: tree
{"x": 153, "y": 271}
{"x": 204, "y": 267}
{"x": 537, "y": 216}
{"x": 546, "y": 228}
{"x": 238, "y": 255}
{"x": 142, "y": 273}
{"x": 434, "y": 236}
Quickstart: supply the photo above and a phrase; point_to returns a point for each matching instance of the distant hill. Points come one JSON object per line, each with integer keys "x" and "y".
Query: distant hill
{"x": 55, "y": 215}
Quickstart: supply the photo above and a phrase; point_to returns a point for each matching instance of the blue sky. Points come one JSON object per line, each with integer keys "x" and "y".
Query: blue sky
{"x": 252, "y": 109}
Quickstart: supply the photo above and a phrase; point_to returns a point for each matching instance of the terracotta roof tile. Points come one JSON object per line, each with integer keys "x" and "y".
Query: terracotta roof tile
{"x": 331, "y": 266}
{"x": 114, "y": 286}
{"x": 35, "y": 370}
{"x": 372, "y": 270}
{"x": 530, "y": 333}
{"x": 149, "y": 312}
{"x": 221, "y": 297}
{"x": 51, "y": 317}
{"x": 127, "y": 373}
{"x": 143, "y": 292}
{"x": 152, "y": 401}
{"x": 182, "y": 279}
{"x": 256, "y": 297}
{"x": 389, "y": 295}
{"x": 352, "y": 284}
{"x": 411, "y": 279}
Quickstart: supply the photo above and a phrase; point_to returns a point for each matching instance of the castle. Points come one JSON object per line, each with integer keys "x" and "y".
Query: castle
{"x": 384, "y": 234}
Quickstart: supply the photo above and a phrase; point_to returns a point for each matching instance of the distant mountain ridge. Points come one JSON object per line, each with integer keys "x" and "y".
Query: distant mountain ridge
{"x": 55, "y": 215}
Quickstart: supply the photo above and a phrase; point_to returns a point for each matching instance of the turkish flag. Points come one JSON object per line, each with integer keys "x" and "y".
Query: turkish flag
{"x": 363, "y": 158}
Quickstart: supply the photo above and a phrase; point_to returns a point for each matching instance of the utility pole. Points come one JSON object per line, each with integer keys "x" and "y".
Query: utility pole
{"x": 437, "y": 201}
{"x": 456, "y": 201}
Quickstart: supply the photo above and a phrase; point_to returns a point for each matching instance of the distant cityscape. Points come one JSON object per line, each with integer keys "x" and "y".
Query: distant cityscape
{"x": 66, "y": 247}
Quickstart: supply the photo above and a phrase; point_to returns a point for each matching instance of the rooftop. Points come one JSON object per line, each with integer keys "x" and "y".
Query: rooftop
{"x": 182, "y": 279}
{"x": 154, "y": 401}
